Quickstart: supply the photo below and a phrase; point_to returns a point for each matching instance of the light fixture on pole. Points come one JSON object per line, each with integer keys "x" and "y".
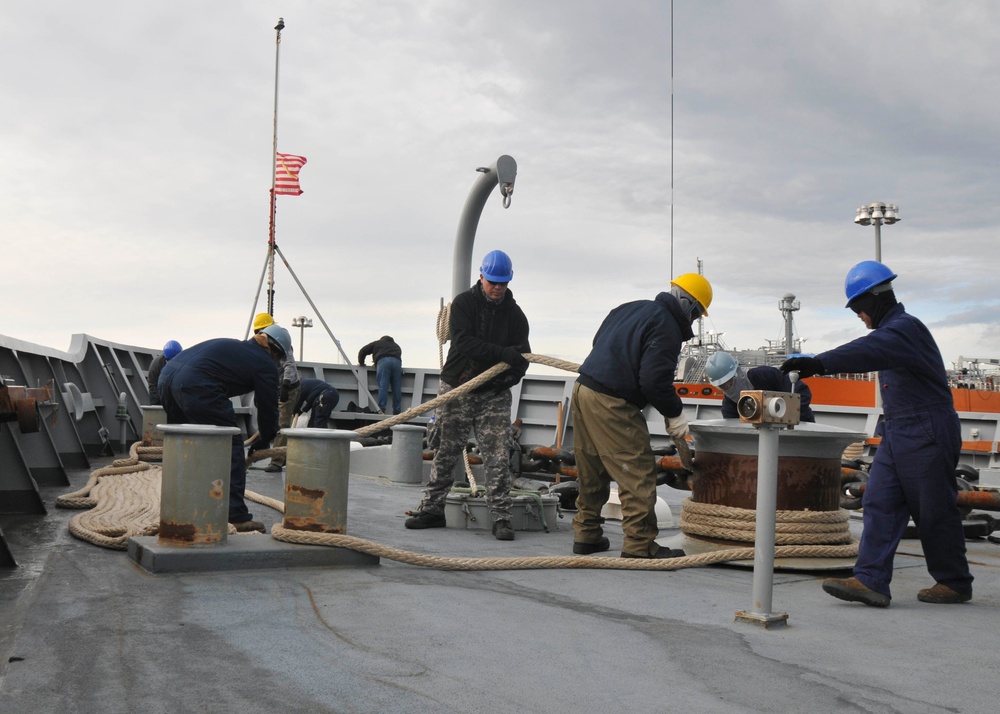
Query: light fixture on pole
{"x": 876, "y": 214}
{"x": 302, "y": 323}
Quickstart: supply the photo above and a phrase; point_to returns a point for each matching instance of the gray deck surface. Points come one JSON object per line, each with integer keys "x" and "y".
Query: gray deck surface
{"x": 85, "y": 629}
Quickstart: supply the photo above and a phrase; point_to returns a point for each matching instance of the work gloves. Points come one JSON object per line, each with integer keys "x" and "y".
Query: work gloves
{"x": 256, "y": 446}
{"x": 283, "y": 392}
{"x": 678, "y": 430}
{"x": 805, "y": 366}
{"x": 515, "y": 359}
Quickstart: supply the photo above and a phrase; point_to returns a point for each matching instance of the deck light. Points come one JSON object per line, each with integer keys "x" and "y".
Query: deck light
{"x": 876, "y": 214}
{"x": 302, "y": 323}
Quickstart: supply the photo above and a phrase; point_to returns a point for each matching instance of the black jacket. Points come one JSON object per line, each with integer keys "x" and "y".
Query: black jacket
{"x": 635, "y": 354}
{"x": 479, "y": 332}
{"x": 382, "y": 347}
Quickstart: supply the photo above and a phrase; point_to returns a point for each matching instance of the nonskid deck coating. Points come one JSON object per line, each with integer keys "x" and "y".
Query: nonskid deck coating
{"x": 83, "y": 629}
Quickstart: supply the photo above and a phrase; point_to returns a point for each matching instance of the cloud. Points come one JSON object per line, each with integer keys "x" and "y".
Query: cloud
{"x": 136, "y": 204}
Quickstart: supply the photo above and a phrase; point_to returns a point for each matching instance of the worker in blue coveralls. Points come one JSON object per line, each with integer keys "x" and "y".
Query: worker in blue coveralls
{"x": 913, "y": 473}
{"x": 319, "y": 399}
{"x": 726, "y": 374}
{"x": 197, "y": 386}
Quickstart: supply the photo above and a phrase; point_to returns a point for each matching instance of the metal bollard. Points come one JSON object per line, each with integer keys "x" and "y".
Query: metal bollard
{"x": 317, "y": 468}
{"x": 406, "y": 463}
{"x": 194, "y": 493}
{"x": 152, "y": 415}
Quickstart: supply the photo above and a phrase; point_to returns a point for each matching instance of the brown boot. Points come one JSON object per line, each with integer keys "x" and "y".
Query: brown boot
{"x": 941, "y": 594}
{"x": 249, "y": 527}
{"x": 853, "y": 590}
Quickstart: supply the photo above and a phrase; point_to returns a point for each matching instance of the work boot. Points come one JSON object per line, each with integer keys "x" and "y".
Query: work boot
{"x": 941, "y": 594}
{"x": 273, "y": 468}
{"x": 422, "y": 519}
{"x": 249, "y": 527}
{"x": 581, "y": 548}
{"x": 502, "y": 530}
{"x": 853, "y": 590}
{"x": 659, "y": 554}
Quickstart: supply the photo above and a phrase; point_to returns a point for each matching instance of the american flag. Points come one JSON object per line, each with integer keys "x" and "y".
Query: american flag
{"x": 286, "y": 174}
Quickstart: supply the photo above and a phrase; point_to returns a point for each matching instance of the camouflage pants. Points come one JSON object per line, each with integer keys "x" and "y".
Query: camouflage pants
{"x": 286, "y": 413}
{"x": 488, "y": 415}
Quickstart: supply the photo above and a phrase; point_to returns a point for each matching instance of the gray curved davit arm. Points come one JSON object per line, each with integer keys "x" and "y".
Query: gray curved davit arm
{"x": 503, "y": 172}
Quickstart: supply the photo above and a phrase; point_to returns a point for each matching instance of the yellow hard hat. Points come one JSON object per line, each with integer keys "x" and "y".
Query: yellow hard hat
{"x": 262, "y": 320}
{"x": 697, "y": 287}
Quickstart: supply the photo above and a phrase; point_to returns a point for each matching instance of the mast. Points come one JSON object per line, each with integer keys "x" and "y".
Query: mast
{"x": 274, "y": 167}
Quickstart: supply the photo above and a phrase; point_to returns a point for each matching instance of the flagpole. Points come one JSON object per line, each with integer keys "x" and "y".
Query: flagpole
{"x": 274, "y": 168}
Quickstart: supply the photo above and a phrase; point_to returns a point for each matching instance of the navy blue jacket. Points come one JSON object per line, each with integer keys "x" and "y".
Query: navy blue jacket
{"x": 479, "y": 332}
{"x": 773, "y": 379}
{"x": 635, "y": 352}
{"x": 911, "y": 376}
{"x": 230, "y": 368}
{"x": 311, "y": 389}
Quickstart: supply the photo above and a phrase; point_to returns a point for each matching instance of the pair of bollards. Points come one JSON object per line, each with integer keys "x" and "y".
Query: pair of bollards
{"x": 194, "y": 492}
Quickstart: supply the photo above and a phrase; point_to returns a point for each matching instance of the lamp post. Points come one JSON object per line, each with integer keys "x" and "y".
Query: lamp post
{"x": 876, "y": 214}
{"x": 302, "y": 323}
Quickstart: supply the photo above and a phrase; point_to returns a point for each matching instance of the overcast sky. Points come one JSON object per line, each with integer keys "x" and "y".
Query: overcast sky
{"x": 137, "y": 141}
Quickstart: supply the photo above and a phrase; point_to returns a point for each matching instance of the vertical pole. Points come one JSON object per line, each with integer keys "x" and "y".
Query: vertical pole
{"x": 767, "y": 499}
{"x": 763, "y": 558}
{"x": 878, "y": 240}
{"x": 274, "y": 167}
{"x": 671, "y": 139}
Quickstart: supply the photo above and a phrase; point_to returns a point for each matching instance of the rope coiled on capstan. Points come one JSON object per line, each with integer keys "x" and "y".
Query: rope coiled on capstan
{"x": 814, "y": 528}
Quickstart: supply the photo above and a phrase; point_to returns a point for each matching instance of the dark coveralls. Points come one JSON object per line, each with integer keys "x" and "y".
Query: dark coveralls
{"x": 773, "y": 379}
{"x": 913, "y": 473}
{"x": 196, "y": 387}
{"x": 631, "y": 364}
{"x": 318, "y": 398}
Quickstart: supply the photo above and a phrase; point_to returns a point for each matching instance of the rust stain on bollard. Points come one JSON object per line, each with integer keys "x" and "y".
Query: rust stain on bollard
{"x": 216, "y": 490}
{"x": 804, "y": 483}
{"x": 301, "y": 494}
{"x": 314, "y": 500}
{"x": 180, "y": 532}
{"x": 308, "y": 524}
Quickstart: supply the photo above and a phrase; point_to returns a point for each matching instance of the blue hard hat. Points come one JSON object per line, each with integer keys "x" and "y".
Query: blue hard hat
{"x": 864, "y": 276}
{"x": 721, "y": 367}
{"x": 171, "y": 349}
{"x": 497, "y": 267}
{"x": 279, "y": 335}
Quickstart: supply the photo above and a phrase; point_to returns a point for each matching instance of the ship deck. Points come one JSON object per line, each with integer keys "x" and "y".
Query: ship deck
{"x": 85, "y": 629}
